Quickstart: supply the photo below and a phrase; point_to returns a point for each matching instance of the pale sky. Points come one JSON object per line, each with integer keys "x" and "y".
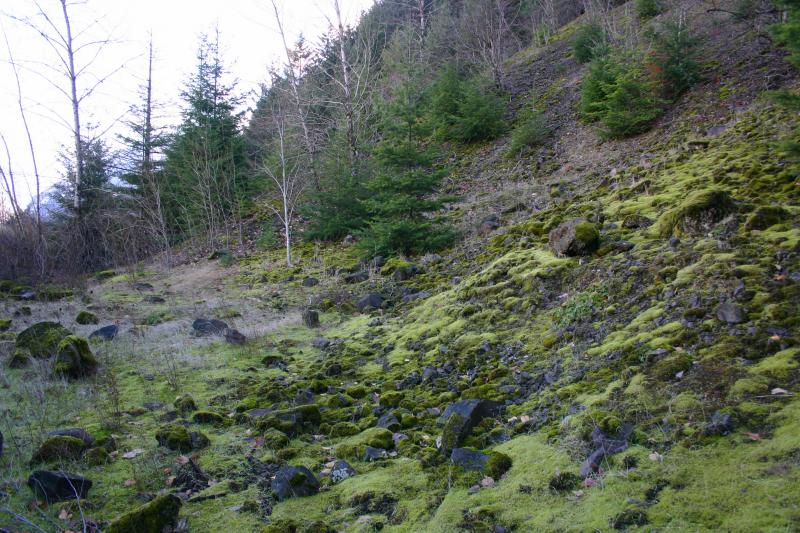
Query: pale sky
{"x": 249, "y": 38}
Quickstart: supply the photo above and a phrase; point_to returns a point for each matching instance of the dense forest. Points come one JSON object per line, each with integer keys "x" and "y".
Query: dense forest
{"x": 462, "y": 266}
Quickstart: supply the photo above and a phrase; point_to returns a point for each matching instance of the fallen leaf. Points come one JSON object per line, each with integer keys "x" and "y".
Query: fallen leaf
{"x": 133, "y": 453}
{"x": 129, "y": 483}
{"x": 778, "y": 391}
{"x": 589, "y": 482}
{"x": 578, "y": 493}
{"x": 170, "y": 480}
{"x": 63, "y": 515}
{"x": 182, "y": 460}
{"x": 753, "y": 436}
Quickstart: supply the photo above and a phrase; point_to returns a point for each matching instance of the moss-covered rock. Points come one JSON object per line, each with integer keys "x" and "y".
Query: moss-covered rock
{"x": 185, "y": 404}
{"x": 42, "y": 339}
{"x": 86, "y": 317}
{"x": 20, "y": 358}
{"x": 696, "y": 214}
{"x": 497, "y": 464}
{"x": 293, "y": 421}
{"x": 208, "y": 417}
{"x": 74, "y": 359}
{"x": 275, "y": 439}
{"x": 97, "y": 456}
{"x": 177, "y": 437}
{"x": 152, "y": 517}
{"x": 574, "y": 238}
{"x": 58, "y": 448}
{"x": 765, "y": 216}
{"x": 5, "y": 324}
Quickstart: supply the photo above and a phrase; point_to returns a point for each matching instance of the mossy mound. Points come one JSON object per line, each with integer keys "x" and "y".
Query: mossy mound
{"x": 294, "y": 421}
{"x": 74, "y": 359}
{"x": 5, "y": 324}
{"x": 178, "y": 438}
{"x": 97, "y": 456}
{"x": 20, "y": 358}
{"x": 86, "y": 318}
{"x": 696, "y": 214}
{"x": 208, "y": 417}
{"x": 574, "y": 238}
{"x": 42, "y": 339}
{"x": 185, "y": 404}
{"x": 58, "y": 448}
{"x": 153, "y": 517}
{"x": 766, "y": 216}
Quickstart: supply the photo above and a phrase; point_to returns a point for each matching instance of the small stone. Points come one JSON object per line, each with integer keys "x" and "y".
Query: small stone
{"x": 233, "y": 336}
{"x": 730, "y": 313}
{"x": 369, "y": 302}
{"x": 311, "y": 318}
{"x": 58, "y": 486}
{"x": 341, "y": 470}
{"x": 374, "y": 454}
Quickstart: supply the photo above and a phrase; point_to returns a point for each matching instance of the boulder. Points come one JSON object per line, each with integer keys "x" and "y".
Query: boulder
{"x": 310, "y": 282}
{"x": 574, "y": 238}
{"x": 636, "y": 222}
{"x": 58, "y": 486}
{"x": 357, "y": 277}
{"x": 341, "y": 470}
{"x": 605, "y": 445}
{"x": 178, "y": 438}
{"x": 42, "y": 339}
{"x": 78, "y": 433}
{"x": 388, "y": 421}
{"x": 234, "y": 336}
{"x": 374, "y": 454}
{"x": 369, "y": 302}
{"x": 153, "y": 299}
{"x": 20, "y": 358}
{"x": 86, "y": 318}
{"x": 208, "y": 417}
{"x": 469, "y": 459}
{"x": 96, "y": 456}
{"x": 203, "y": 326}
{"x": 141, "y": 286}
{"x": 459, "y": 419}
{"x": 75, "y": 359}
{"x": 57, "y": 449}
{"x": 311, "y": 318}
{"x": 106, "y": 333}
{"x": 293, "y": 482}
{"x": 185, "y": 404}
{"x": 156, "y": 516}
{"x": 294, "y": 421}
{"x": 730, "y": 313}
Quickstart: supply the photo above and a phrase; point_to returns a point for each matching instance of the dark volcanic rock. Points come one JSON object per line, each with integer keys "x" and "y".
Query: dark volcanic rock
{"x": 374, "y": 454}
{"x": 574, "y": 238}
{"x": 370, "y": 301}
{"x": 153, "y": 299}
{"x": 234, "y": 336}
{"x": 605, "y": 445}
{"x": 58, "y": 486}
{"x": 203, "y": 326}
{"x": 468, "y": 459}
{"x": 459, "y": 419}
{"x": 388, "y": 421}
{"x": 730, "y": 313}
{"x": 140, "y": 286}
{"x": 78, "y": 433}
{"x": 320, "y": 342}
{"x": 311, "y": 318}
{"x": 294, "y": 481}
{"x": 310, "y": 282}
{"x": 106, "y": 333}
{"x": 358, "y": 277}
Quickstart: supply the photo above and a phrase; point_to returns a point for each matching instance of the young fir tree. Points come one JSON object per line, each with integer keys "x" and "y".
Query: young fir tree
{"x": 405, "y": 178}
{"x": 205, "y": 161}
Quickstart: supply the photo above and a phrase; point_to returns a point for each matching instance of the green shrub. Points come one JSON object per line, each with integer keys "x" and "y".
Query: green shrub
{"x": 267, "y": 239}
{"x": 530, "y": 130}
{"x": 676, "y": 58}
{"x": 618, "y": 94}
{"x": 466, "y": 110}
{"x": 590, "y": 42}
{"x": 648, "y": 8}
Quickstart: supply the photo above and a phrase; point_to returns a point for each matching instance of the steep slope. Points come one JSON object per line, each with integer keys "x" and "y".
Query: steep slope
{"x": 647, "y": 385}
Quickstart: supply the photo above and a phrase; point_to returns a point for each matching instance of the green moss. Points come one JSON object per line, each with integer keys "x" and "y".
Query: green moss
{"x": 58, "y": 448}
{"x": 74, "y": 359}
{"x": 20, "y": 358}
{"x": 275, "y": 439}
{"x": 344, "y": 429}
{"x": 393, "y": 264}
{"x": 153, "y": 517}
{"x": 497, "y": 465}
{"x": 96, "y": 457}
{"x": 86, "y": 318}
{"x": 42, "y": 339}
{"x": 699, "y": 210}
{"x": 778, "y": 366}
{"x": 185, "y": 404}
{"x": 177, "y": 437}
{"x": 5, "y": 324}
{"x": 391, "y": 398}
{"x": 208, "y": 417}
{"x": 765, "y": 216}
